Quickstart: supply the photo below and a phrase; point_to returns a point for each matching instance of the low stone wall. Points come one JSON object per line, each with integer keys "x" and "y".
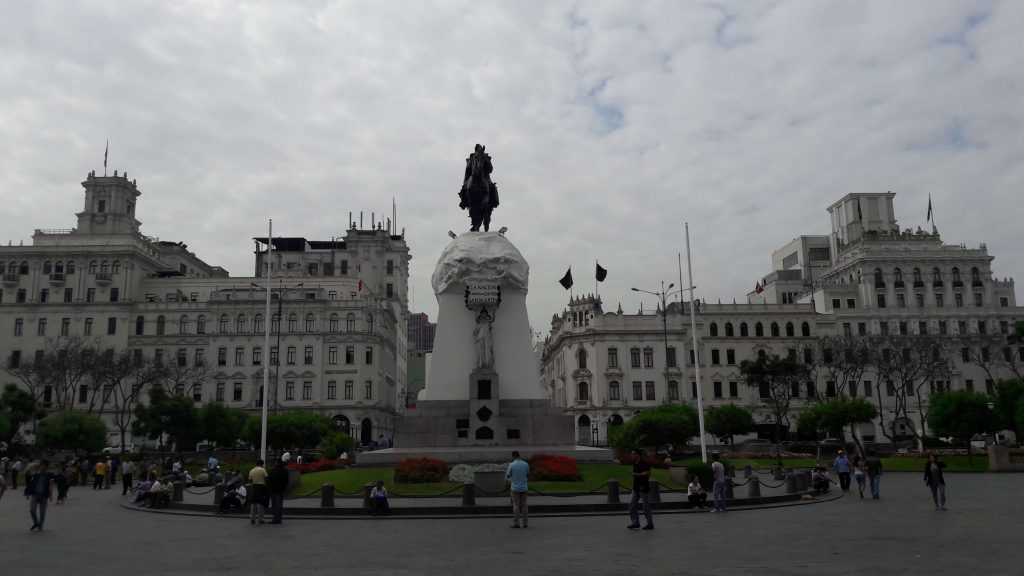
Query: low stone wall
{"x": 1005, "y": 459}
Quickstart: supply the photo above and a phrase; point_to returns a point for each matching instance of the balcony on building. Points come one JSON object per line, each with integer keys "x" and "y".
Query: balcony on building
{"x": 899, "y": 284}
{"x": 977, "y": 283}
{"x": 879, "y": 283}
{"x": 103, "y": 278}
{"x": 937, "y": 284}
{"x": 11, "y": 278}
{"x": 958, "y": 283}
{"x": 57, "y": 278}
{"x": 918, "y": 283}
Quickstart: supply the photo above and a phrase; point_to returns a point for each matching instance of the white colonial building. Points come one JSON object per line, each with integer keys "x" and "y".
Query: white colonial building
{"x": 867, "y": 277}
{"x": 338, "y": 320}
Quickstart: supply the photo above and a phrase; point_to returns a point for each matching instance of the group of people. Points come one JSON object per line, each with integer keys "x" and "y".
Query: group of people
{"x": 265, "y": 490}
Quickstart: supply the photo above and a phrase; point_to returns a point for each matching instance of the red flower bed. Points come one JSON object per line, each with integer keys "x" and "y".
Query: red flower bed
{"x": 420, "y": 470}
{"x": 554, "y": 468}
{"x": 319, "y": 465}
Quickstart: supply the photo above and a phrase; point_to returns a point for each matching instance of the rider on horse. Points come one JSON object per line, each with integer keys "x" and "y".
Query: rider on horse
{"x": 478, "y": 193}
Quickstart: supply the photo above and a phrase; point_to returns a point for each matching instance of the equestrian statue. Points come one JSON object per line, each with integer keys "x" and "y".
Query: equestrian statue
{"x": 478, "y": 193}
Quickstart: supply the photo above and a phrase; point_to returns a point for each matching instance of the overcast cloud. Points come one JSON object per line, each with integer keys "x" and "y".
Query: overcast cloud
{"x": 610, "y": 125}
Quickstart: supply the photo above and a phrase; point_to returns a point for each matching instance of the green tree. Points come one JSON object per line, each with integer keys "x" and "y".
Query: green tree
{"x": 295, "y": 428}
{"x": 1006, "y": 401}
{"x": 728, "y": 421}
{"x": 221, "y": 425}
{"x": 75, "y": 431}
{"x": 666, "y": 424}
{"x": 774, "y": 378}
{"x": 337, "y": 442}
{"x": 962, "y": 414}
{"x": 834, "y": 417}
{"x": 175, "y": 417}
{"x": 18, "y": 407}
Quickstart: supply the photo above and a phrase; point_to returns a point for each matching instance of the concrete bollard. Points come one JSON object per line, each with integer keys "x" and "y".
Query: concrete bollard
{"x": 788, "y": 472}
{"x": 748, "y": 471}
{"x": 469, "y": 494}
{"x": 218, "y": 494}
{"x": 754, "y": 488}
{"x": 792, "y": 485}
{"x": 729, "y": 487}
{"x": 367, "y": 490}
{"x": 805, "y": 480}
{"x": 178, "y": 493}
{"x": 613, "y": 491}
{"x": 327, "y": 495}
{"x": 777, "y": 473}
{"x": 655, "y": 491}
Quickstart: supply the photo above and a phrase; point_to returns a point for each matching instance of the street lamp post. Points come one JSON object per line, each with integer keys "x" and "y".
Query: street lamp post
{"x": 663, "y": 298}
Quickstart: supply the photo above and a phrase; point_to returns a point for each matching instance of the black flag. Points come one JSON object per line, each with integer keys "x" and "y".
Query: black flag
{"x": 601, "y": 273}
{"x": 566, "y": 280}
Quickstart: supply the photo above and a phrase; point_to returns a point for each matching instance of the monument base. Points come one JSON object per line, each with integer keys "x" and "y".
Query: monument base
{"x": 476, "y": 422}
{"x": 480, "y": 454}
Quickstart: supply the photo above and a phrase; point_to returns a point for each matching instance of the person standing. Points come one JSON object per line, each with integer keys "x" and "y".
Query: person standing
{"x": 111, "y": 471}
{"x": 641, "y": 491}
{"x": 83, "y": 471}
{"x": 127, "y": 470}
{"x": 258, "y": 479}
{"x": 277, "y": 483}
{"x": 874, "y": 470}
{"x": 518, "y": 474}
{"x": 718, "y": 488}
{"x": 842, "y": 466}
{"x": 14, "y": 473}
{"x": 39, "y": 491}
{"x": 98, "y": 474}
{"x": 934, "y": 480}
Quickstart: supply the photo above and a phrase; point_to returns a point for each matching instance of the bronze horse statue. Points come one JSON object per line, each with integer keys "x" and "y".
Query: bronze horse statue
{"x": 478, "y": 193}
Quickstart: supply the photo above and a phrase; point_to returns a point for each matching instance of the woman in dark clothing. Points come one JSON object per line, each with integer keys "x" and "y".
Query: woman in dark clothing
{"x": 934, "y": 480}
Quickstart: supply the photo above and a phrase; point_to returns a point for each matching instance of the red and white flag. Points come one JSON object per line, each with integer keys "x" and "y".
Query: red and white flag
{"x": 758, "y": 288}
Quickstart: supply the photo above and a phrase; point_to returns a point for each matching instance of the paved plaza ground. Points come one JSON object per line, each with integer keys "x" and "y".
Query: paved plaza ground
{"x": 899, "y": 534}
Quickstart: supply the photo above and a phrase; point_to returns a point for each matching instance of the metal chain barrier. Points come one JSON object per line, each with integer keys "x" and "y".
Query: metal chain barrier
{"x": 759, "y": 481}
{"x": 192, "y": 491}
{"x": 441, "y": 495}
{"x": 314, "y": 492}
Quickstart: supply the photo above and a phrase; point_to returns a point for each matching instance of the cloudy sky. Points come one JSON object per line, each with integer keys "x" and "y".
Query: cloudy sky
{"x": 610, "y": 125}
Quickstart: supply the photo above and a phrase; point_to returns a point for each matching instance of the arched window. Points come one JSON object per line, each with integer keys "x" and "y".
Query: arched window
{"x": 805, "y": 329}
{"x": 758, "y": 330}
{"x": 161, "y": 324}
{"x": 582, "y": 391}
{"x": 713, "y": 329}
{"x": 47, "y": 267}
{"x": 728, "y": 330}
{"x": 333, "y": 323}
{"x": 369, "y": 322}
{"x": 23, "y": 269}
{"x": 310, "y": 323}
{"x": 956, "y": 274}
{"x": 898, "y": 275}
{"x": 240, "y": 324}
{"x": 581, "y": 359}
{"x": 350, "y": 323}
{"x": 614, "y": 393}
{"x": 140, "y": 325}
{"x": 223, "y": 327}
{"x": 183, "y": 325}
{"x": 293, "y": 322}
{"x": 70, "y": 269}
{"x": 115, "y": 268}
{"x": 789, "y": 329}
{"x": 201, "y": 324}
{"x": 275, "y": 323}
{"x": 917, "y": 275}
{"x": 257, "y": 324}
{"x": 775, "y": 329}
{"x": 58, "y": 267}
{"x": 936, "y": 275}
{"x": 975, "y": 275}
{"x": 743, "y": 329}
{"x": 878, "y": 277}
{"x": 92, "y": 267}
{"x": 104, "y": 267}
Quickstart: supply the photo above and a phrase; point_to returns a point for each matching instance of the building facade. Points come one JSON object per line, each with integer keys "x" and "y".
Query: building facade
{"x": 338, "y": 318}
{"x": 867, "y": 279}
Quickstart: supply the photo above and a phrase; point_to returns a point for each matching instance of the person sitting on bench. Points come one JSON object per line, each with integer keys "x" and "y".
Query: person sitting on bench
{"x": 232, "y": 500}
{"x": 696, "y": 495}
{"x": 379, "y": 499}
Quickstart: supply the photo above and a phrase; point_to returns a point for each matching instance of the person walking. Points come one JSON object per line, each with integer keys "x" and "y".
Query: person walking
{"x": 859, "y": 471}
{"x": 842, "y": 465}
{"x": 98, "y": 474}
{"x": 641, "y": 491}
{"x": 258, "y": 479}
{"x": 874, "y": 469}
{"x": 277, "y": 483}
{"x": 718, "y": 488}
{"x": 518, "y": 473}
{"x": 39, "y": 490}
{"x": 15, "y": 468}
{"x": 83, "y": 471}
{"x": 934, "y": 480}
{"x": 127, "y": 470}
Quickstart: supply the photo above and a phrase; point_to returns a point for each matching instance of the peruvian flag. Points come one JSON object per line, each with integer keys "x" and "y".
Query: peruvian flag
{"x": 758, "y": 288}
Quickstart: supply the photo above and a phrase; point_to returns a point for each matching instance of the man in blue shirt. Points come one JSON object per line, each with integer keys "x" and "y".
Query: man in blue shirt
{"x": 518, "y": 472}
{"x": 842, "y": 466}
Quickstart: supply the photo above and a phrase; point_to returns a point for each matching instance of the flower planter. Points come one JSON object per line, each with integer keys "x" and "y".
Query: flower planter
{"x": 677, "y": 474}
{"x": 489, "y": 482}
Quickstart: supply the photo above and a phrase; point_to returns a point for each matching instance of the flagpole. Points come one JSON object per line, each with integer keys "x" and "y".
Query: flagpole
{"x": 596, "y": 293}
{"x": 696, "y": 353}
{"x": 266, "y": 346}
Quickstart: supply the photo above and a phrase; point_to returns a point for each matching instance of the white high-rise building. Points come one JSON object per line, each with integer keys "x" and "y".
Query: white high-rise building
{"x": 338, "y": 321}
